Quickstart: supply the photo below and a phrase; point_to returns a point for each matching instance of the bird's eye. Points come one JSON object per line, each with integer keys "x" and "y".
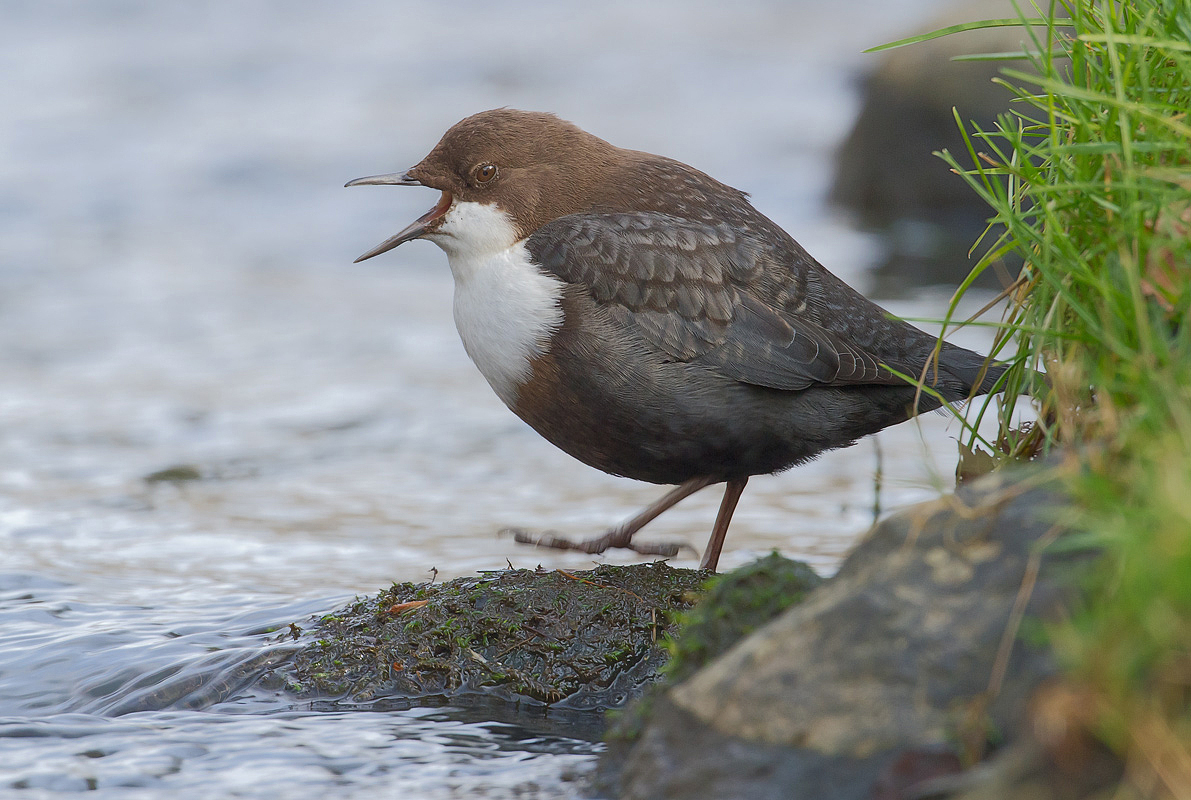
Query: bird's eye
{"x": 485, "y": 173}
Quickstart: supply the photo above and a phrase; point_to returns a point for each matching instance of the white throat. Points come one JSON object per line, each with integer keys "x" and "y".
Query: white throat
{"x": 505, "y": 307}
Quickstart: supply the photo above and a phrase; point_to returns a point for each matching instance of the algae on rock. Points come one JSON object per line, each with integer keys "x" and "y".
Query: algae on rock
{"x": 584, "y": 640}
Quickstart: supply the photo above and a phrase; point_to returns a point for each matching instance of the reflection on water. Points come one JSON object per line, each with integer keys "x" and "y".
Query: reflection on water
{"x": 176, "y": 289}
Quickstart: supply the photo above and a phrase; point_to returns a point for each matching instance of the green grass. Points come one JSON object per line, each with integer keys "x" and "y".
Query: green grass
{"x": 1088, "y": 179}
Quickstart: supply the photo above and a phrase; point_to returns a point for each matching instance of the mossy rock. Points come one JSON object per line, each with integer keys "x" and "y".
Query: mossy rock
{"x": 586, "y": 640}
{"x": 732, "y": 606}
{"x": 736, "y": 604}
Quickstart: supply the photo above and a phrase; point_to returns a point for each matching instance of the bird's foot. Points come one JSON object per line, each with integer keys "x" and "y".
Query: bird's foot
{"x": 613, "y": 538}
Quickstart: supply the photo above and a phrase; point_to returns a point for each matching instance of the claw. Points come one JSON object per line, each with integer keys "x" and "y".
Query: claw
{"x": 663, "y": 549}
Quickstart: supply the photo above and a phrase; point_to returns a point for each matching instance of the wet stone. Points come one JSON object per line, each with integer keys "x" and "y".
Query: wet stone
{"x": 179, "y": 473}
{"x": 588, "y": 640}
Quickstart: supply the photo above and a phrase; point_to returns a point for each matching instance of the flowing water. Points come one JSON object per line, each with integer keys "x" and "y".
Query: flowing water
{"x": 176, "y": 291}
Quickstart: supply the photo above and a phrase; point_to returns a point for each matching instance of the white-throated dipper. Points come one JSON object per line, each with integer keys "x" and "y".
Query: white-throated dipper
{"x": 646, "y": 319}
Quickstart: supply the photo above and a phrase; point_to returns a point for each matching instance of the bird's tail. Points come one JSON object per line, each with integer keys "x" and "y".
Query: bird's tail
{"x": 972, "y": 374}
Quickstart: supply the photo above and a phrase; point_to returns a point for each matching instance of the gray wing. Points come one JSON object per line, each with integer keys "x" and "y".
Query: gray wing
{"x": 693, "y": 291}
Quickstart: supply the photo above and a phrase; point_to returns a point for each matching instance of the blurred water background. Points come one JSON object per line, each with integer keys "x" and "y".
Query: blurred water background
{"x": 176, "y": 290}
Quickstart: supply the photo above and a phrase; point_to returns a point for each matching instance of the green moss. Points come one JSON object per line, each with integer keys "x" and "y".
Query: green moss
{"x": 736, "y": 604}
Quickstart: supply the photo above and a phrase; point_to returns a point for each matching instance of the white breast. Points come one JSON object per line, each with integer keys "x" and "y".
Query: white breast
{"x": 505, "y": 307}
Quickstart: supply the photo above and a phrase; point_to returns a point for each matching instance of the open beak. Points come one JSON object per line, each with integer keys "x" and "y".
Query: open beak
{"x": 414, "y": 229}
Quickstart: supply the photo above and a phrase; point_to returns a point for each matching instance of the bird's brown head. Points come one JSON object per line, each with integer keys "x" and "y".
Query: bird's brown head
{"x": 533, "y": 166}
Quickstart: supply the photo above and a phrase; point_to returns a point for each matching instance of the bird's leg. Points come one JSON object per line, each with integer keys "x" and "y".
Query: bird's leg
{"x": 622, "y": 534}
{"x": 732, "y": 492}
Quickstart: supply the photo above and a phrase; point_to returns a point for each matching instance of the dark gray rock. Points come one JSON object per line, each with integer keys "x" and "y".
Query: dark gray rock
{"x": 886, "y": 170}
{"x": 908, "y": 629}
{"x": 913, "y": 649}
{"x": 679, "y": 757}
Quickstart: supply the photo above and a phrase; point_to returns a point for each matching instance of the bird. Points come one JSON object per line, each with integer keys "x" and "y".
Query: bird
{"x": 650, "y": 322}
